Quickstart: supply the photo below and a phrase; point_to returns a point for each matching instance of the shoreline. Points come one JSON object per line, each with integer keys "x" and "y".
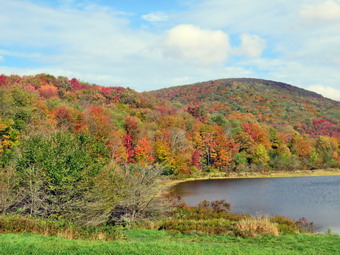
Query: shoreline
{"x": 168, "y": 184}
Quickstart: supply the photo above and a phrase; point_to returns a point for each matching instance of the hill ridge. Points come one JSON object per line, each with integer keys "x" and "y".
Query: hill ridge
{"x": 243, "y": 79}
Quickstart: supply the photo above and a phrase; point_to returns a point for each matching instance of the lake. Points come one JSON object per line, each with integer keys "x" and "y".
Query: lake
{"x": 316, "y": 198}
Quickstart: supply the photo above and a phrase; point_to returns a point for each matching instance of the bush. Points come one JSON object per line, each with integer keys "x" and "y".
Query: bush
{"x": 216, "y": 206}
{"x": 256, "y": 227}
{"x": 285, "y": 225}
{"x": 306, "y": 226}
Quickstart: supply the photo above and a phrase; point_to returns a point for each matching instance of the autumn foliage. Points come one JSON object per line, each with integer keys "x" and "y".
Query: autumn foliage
{"x": 224, "y": 125}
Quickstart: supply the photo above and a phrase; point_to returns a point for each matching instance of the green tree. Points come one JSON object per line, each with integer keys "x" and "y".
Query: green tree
{"x": 260, "y": 156}
{"x": 64, "y": 164}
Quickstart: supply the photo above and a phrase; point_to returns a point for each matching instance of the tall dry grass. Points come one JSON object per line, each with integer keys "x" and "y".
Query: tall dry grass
{"x": 256, "y": 227}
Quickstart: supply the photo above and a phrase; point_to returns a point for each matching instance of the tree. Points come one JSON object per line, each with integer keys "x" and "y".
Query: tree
{"x": 196, "y": 111}
{"x": 142, "y": 197}
{"x": 9, "y": 138}
{"x": 129, "y": 149}
{"x": 301, "y": 146}
{"x": 48, "y": 91}
{"x": 274, "y": 138}
{"x": 3, "y": 80}
{"x": 224, "y": 149}
{"x": 245, "y": 143}
{"x": 99, "y": 122}
{"x": 124, "y": 195}
{"x": 241, "y": 160}
{"x": 327, "y": 147}
{"x": 52, "y": 168}
{"x": 8, "y": 182}
{"x": 143, "y": 152}
{"x": 118, "y": 151}
{"x": 257, "y": 133}
{"x": 196, "y": 158}
{"x": 132, "y": 127}
{"x": 174, "y": 149}
{"x": 63, "y": 115}
{"x": 101, "y": 200}
{"x": 219, "y": 119}
{"x": 260, "y": 156}
{"x": 32, "y": 192}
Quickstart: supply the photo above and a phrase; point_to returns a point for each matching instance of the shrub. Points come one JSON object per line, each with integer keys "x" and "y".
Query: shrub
{"x": 216, "y": 206}
{"x": 306, "y": 226}
{"x": 61, "y": 228}
{"x": 256, "y": 227}
{"x": 285, "y": 224}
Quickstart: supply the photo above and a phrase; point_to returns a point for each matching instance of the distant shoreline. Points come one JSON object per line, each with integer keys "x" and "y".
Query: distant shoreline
{"x": 246, "y": 175}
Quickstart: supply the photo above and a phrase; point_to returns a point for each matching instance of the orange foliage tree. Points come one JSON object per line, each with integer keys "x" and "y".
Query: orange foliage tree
{"x": 143, "y": 152}
{"x": 48, "y": 91}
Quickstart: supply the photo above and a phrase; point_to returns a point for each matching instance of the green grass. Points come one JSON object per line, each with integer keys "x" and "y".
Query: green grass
{"x": 161, "y": 242}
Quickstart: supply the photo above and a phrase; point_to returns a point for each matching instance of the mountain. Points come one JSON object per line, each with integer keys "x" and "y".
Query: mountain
{"x": 268, "y": 101}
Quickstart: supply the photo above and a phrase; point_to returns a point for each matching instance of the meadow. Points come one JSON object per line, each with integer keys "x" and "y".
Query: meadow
{"x": 161, "y": 242}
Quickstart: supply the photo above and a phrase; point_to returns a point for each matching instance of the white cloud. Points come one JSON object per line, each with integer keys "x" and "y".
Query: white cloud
{"x": 238, "y": 72}
{"x": 327, "y": 10}
{"x": 1, "y": 58}
{"x": 196, "y": 45}
{"x": 155, "y": 16}
{"x": 89, "y": 42}
{"x": 241, "y": 16}
{"x": 251, "y": 46}
{"x": 280, "y": 40}
{"x": 329, "y": 92}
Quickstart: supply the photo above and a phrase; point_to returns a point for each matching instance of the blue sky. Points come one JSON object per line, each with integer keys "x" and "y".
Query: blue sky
{"x": 148, "y": 45}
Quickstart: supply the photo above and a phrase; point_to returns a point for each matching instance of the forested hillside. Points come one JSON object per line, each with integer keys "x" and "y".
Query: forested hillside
{"x": 224, "y": 125}
{"x": 92, "y": 154}
{"x": 270, "y": 102}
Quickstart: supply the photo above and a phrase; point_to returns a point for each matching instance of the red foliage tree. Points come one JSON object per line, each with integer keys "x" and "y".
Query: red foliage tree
{"x": 129, "y": 149}
{"x": 132, "y": 127}
{"x": 196, "y": 157}
{"x": 76, "y": 85}
{"x": 3, "y": 80}
{"x": 63, "y": 115}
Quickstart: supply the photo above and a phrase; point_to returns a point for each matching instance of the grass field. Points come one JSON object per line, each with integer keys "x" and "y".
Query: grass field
{"x": 161, "y": 242}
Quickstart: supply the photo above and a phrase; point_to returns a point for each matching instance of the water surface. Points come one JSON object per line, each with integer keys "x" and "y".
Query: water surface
{"x": 315, "y": 198}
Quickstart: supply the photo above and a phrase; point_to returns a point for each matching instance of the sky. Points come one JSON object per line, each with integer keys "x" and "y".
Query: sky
{"x": 152, "y": 44}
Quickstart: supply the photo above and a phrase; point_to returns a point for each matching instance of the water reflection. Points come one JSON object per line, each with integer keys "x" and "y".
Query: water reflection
{"x": 316, "y": 198}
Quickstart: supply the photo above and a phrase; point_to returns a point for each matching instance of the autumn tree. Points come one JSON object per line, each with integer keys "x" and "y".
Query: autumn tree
{"x": 327, "y": 148}
{"x": 99, "y": 122}
{"x": 117, "y": 147}
{"x": 301, "y": 146}
{"x": 196, "y": 158}
{"x": 257, "y": 133}
{"x": 143, "y": 152}
{"x": 260, "y": 156}
{"x": 174, "y": 149}
{"x": 224, "y": 149}
{"x": 48, "y": 91}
